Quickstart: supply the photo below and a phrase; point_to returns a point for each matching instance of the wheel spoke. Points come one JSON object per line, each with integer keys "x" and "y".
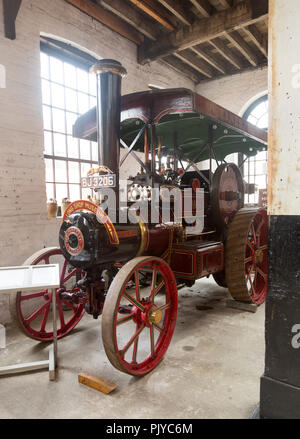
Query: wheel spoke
{"x": 253, "y": 233}
{"x": 133, "y": 301}
{"x": 36, "y": 313}
{"x": 263, "y": 247}
{"x": 252, "y": 286}
{"x": 69, "y": 276}
{"x": 164, "y": 307}
{"x": 249, "y": 272}
{"x": 263, "y": 275}
{"x": 63, "y": 272}
{"x": 158, "y": 327}
{"x": 152, "y": 341}
{"x": 153, "y": 284}
{"x": 45, "y": 318}
{"x": 159, "y": 287}
{"x": 133, "y": 338}
{"x": 61, "y": 315}
{"x": 69, "y": 305}
{"x": 125, "y": 319}
{"x": 137, "y": 285}
{"x": 135, "y": 349}
{"x": 250, "y": 245}
{"x": 33, "y": 296}
{"x": 248, "y": 259}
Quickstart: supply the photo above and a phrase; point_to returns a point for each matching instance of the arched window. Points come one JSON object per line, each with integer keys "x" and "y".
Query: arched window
{"x": 255, "y": 168}
{"x": 68, "y": 90}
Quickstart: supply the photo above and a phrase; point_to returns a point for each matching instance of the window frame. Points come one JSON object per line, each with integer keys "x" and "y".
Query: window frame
{"x": 80, "y": 60}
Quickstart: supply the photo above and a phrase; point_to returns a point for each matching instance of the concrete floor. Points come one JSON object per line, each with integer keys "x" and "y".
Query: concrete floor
{"x": 211, "y": 370}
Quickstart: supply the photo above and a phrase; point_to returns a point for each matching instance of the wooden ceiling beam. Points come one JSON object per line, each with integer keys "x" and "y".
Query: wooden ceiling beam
{"x": 225, "y": 3}
{"x": 182, "y": 68}
{"x": 243, "y": 14}
{"x": 260, "y": 40}
{"x": 209, "y": 58}
{"x": 241, "y": 45}
{"x": 131, "y": 16}
{"x": 155, "y": 11}
{"x": 177, "y": 9}
{"x": 226, "y": 53}
{"x": 203, "y": 6}
{"x": 108, "y": 19}
{"x": 196, "y": 63}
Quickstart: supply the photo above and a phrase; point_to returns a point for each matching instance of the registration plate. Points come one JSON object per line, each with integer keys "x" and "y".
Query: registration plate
{"x": 99, "y": 181}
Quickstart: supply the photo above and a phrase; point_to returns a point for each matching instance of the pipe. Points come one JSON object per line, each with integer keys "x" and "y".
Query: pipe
{"x": 109, "y": 75}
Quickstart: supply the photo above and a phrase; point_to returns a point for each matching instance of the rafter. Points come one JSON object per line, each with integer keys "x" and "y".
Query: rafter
{"x": 226, "y": 53}
{"x": 260, "y": 40}
{"x": 177, "y": 9}
{"x": 131, "y": 16}
{"x": 243, "y": 14}
{"x": 209, "y": 58}
{"x": 154, "y": 10}
{"x": 225, "y": 3}
{"x": 203, "y": 6}
{"x": 182, "y": 68}
{"x": 238, "y": 42}
{"x": 196, "y": 63}
{"x": 110, "y": 20}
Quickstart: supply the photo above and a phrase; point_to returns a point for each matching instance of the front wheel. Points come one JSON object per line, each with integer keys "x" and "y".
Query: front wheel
{"x": 138, "y": 323}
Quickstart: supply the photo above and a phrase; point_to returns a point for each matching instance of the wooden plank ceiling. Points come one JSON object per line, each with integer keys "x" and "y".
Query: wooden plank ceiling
{"x": 202, "y": 39}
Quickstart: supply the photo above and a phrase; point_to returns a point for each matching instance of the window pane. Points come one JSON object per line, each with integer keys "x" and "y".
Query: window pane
{"x": 74, "y": 192}
{"x": 74, "y": 172}
{"x": 46, "y": 92}
{"x": 58, "y": 120}
{"x": 85, "y": 167}
{"x": 83, "y": 103}
{"x": 73, "y": 147}
{"x": 49, "y": 191}
{"x": 71, "y": 100}
{"x": 82, "y": 80}
{"x": 61, "y": 192}
{"x": 44, "y": 66}
{"x": 70, "y": 75}
{"x": 58, "y": 99}
{"x": 61, "y": 171}
{"x": 93, "y": 102}
{"x": 93, "y": 90}
{"x": 56, "y": 70}
{"x": 71, "y": 118}
{"x": 49, "y": 170}
{"x": 59, "y": 145}
{"x": 94, "y": 151}
{"x": 85, "y": 149}
{"x": 47, "y": 118}
{"x": 48, "y": 143}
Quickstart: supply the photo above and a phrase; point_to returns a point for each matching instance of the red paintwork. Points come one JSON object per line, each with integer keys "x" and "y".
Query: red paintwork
{"x": 257, "y": 239}
{"x": 140, "y": 317}
{"x": 64, "y": 327}
{"x": 196, "y": 259}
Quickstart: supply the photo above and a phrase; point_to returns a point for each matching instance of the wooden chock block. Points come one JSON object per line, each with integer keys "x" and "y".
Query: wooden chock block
{"x": 249, "y": 307}
{"x": 97, "y": 384}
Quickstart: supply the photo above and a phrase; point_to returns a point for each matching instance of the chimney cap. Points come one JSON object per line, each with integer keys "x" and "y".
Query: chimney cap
{"x": 108, "y": 66}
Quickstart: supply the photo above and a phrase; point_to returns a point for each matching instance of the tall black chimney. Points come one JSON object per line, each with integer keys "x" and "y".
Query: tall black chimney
{"x": 109, "y": 75}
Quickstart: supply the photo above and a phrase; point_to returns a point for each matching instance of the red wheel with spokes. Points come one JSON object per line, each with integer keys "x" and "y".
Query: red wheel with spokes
{"x": 33, "y": 310}
{"x": 246, "y": 256}
{"x": 138, "y": 323}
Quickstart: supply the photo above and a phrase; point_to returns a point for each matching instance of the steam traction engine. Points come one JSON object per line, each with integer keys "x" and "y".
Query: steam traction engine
{"x": 129, "y": 271}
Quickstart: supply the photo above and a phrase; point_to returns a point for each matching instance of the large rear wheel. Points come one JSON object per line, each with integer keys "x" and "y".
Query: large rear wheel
{"x": 246, "y": 256}
{"x": 137, "y": 322}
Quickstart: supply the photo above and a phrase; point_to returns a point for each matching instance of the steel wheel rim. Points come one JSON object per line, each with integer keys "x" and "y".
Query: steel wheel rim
{"x": 256, "y": 258}
{"x": 64, "y": 327}
{"x": 140, "y": 315}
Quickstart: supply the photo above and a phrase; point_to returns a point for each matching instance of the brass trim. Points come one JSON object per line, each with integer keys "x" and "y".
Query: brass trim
{"x": 144, "y": 237}
{"x": 108, "y": 68}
